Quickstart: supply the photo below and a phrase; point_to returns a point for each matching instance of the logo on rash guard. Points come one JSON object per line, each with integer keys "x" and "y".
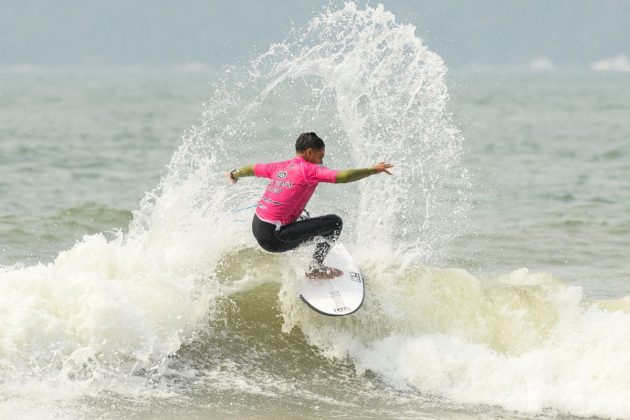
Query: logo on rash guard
{"x": 287, "y": 184}
{"x": 269, "y": 200}
{"x": 282, "y": 174}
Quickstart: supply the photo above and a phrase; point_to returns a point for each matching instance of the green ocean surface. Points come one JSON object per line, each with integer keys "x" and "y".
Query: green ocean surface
{"x": 548, "y": 153}
{"x": 495, "y": 258}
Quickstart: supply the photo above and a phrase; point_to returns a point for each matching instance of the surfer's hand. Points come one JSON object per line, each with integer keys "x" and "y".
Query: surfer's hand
{"x": 383, "y": 167}
{"x": 231, "y": 178}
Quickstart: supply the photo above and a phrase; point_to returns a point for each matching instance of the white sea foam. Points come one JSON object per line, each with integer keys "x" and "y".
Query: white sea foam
{"x": 107, "y": 314}
{"x": 525, "y": 342}
{"x": 619, "y": 63}
{"x": 543, "y": 64}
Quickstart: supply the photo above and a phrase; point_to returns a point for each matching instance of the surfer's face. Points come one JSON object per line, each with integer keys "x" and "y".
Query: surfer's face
{"x": 314, "y": 155}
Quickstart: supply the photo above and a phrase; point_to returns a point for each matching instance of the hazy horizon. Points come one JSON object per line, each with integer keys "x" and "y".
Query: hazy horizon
{"x": 202, "y": 35}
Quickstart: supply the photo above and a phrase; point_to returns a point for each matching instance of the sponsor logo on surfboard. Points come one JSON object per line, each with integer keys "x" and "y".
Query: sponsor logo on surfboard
{"x": 339, "y": 296}
{"x": 355, "y": 277}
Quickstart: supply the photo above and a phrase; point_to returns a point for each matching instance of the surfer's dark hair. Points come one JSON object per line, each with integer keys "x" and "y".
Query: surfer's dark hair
{"x": 308, "y": 140}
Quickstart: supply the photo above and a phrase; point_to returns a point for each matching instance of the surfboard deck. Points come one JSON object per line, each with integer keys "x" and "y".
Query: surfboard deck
{"x": 341, "y": 295}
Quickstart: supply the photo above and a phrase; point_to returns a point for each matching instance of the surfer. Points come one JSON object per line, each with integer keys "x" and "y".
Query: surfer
{"x": 277, "y": 225}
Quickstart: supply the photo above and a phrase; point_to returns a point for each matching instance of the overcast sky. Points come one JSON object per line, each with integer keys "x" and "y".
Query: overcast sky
{"x": 466, "y": 33}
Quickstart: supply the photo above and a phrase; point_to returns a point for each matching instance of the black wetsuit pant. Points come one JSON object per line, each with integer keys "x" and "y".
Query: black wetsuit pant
{"x": 295, "y": 234}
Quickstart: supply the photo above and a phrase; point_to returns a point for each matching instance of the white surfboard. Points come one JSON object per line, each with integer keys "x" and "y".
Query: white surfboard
{"x": 341, "y": 295}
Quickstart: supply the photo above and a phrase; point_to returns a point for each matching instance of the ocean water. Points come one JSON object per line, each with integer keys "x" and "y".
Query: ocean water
{"x": 495, "y": 257}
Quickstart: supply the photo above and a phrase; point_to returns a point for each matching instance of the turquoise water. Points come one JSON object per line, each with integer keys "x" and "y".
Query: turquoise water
{"x": 495, "y": 257}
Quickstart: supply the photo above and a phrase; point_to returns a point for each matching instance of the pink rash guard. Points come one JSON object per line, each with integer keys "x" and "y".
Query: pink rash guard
{"x": 292, "y": 185}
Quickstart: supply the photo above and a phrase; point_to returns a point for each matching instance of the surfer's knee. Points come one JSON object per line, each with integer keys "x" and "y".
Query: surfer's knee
{"x": 335, "y": 221}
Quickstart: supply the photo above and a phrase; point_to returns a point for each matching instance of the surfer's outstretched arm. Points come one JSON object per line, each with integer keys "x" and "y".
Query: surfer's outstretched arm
{"x": 235, "y": 174}
{"x": 351, "y": 175}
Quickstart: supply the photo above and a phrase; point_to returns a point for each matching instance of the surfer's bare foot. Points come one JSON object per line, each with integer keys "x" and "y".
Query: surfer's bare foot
{"x": 323, "y": 272}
